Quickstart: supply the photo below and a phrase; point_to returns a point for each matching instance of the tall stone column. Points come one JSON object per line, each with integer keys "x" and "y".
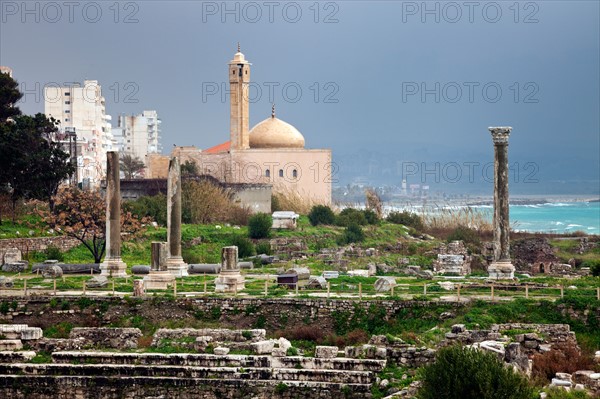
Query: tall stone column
{"x": 501, "y": 266}
{"x": 113, "y": 265}
{"x": 175, "y": 263}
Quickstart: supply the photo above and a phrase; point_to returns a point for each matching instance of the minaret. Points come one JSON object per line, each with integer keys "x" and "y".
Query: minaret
{"x": 239, "y": 79}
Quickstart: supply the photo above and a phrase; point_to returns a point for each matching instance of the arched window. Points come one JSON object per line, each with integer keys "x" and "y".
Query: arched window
{"x": 268, "y": 173}
{"x": 295, "y": 174}
{"x": 280, "y": 172}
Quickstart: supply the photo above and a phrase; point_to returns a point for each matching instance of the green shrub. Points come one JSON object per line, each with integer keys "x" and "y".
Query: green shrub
{"x": 153, "y": 206}
{"x": 191, "y": 257}
{"x": 559, "y": 393}
{"x": 275, "y": 205}
{"x": 594, "y": 265}
{"x": 352, "y": 233}
{"x": 245, "y": 246}
{"x": 53, "y": 252}
{"x": 466, "y": 373}
{"x": 371, "y": 216}
{"x": 350, "y": 216}
{"x": 408, "y": 219}
{"x": 321, "y": 214}
{"x": 465, "y": 234}
{"x": 259, "y": 225}
{"x": 263, "y": 248}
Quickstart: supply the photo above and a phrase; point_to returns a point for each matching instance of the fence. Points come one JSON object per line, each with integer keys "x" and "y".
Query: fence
{"x": 261, "y": 286}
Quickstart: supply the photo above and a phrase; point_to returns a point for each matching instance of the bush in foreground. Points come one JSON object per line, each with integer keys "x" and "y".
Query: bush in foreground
{"x": 465, "y": 373}
{"x": 321, "y": 214}
{"x": 352, "y": 233}
{"x": 259, "y": 225}
{"x": 408, "y": 219}
{"x": 559, "y": 393}
{"x": 350, "y": 216}
{"x": 594, "y": 265}
{"x": 245, "y": 246}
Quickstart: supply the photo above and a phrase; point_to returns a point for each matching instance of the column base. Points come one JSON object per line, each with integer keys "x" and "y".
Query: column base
{"x": 177, "y": 267}
{"x": 114, "y": 267}
{"x": 159, "y": 280}
{"x": 502, "y": 269}
{"x": 229, "y": 281}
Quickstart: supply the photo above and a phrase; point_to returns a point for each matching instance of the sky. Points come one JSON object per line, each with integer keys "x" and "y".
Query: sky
{"x": 397, "y": 89}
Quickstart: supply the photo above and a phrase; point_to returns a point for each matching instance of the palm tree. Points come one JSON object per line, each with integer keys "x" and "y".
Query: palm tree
{"x": 131, "y": 166}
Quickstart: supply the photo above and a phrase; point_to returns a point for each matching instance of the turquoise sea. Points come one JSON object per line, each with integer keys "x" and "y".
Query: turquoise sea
{"x": 555, "y": 217}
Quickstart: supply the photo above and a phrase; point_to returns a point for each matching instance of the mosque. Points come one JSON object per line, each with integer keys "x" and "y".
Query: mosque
{"x": 272, "y": 153}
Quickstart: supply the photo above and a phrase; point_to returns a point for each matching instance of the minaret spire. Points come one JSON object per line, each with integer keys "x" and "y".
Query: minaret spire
{"x": 239, "y": 80}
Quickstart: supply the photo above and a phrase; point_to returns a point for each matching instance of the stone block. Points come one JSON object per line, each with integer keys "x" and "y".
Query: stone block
{"x": 284, "y": 344}
{"x": 117, "y": 338}
{"x": 278, "y": 352}
{"x": 263, "y": 347}
{"x": 563, "y": 376}
{"x": 97, "y": 282}
{"x": 15, "y": 267}
{"x": 10, "y": 344}
{"x": 221, "y": 351}
{"x": 458, "y": 328}
{"x": 158, "y": 280}
{"x": 12, "y": 255}
{"x": 31, "y": 333}
{"x": 531, "y": 344}
{"x": 326, "y": 352}
{"x": 6, "y": 282}
{"x": 16, "y": 357}
{"x": 52, "y": 272}
{"x": 381, "y": 353}
{"x": 557, "y": 382}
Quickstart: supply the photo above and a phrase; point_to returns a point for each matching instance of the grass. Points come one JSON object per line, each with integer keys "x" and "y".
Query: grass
{"x": 25, "y": 225}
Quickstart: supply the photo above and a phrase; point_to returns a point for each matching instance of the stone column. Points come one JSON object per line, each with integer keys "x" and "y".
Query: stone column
{"x": 230, "y": 279}
{"x": 113, "y": 265}
{"x": 175, "y": 263}
{"x": 501, "y": 266}
{"x": 159, "y": 277}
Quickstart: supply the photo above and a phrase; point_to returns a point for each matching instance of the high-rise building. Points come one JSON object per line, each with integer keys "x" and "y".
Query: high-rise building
{"x": 138, "y": 135}
{"x": 81, "y": 111}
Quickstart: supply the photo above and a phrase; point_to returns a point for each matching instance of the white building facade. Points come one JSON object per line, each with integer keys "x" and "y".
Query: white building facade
{"x": 82, "y": 110}
{"x": 138, "y": 135}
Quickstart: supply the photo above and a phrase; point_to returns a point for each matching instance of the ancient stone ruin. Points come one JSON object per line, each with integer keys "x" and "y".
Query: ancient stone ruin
{"x": 501, "y": 266}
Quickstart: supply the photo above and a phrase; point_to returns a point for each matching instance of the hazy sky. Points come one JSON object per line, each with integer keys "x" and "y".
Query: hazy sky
{"x": 387, "y": 82}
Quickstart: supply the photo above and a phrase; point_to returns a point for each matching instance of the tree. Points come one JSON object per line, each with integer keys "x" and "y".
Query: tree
{"x": 206, "y": 202}
{"x": 465, "y": 373}
{"x": 32, "y": 163}
{"x": 131, "y": 166}
{"x": 9, "y": 95}
{"x": 189, "y": 168}
{"x": 82, "y": 215}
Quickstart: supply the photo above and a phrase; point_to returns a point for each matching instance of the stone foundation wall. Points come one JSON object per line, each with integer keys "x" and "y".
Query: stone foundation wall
{"x": 100, "y": 387}
{"x": 26, "y": 245}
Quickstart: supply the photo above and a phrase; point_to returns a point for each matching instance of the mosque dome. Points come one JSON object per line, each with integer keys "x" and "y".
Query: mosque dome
{"x": 275, "y": 133}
